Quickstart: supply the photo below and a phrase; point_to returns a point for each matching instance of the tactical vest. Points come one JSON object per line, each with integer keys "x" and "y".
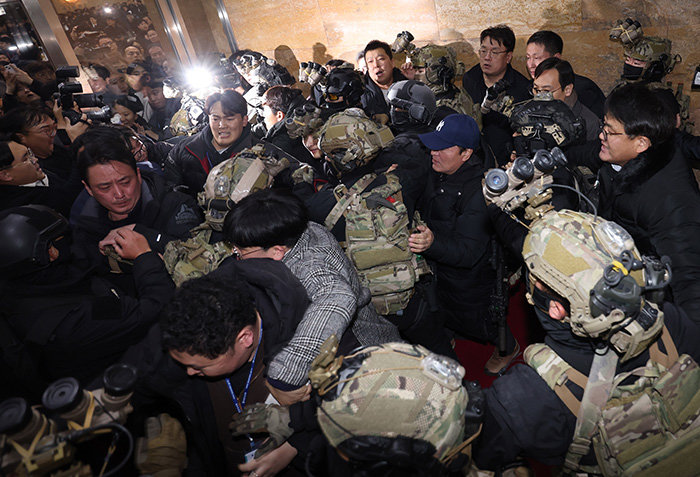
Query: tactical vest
{"x": 648, "y": 428}
{"x": 376, "y": 240}
{"x": 194, "y": 257}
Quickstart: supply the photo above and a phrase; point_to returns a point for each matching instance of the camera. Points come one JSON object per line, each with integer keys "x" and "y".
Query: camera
{"x": 70, "y": 94}
{"x": 524, "y": 179}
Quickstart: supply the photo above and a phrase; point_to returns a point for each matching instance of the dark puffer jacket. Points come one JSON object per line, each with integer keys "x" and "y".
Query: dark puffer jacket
{"x": 190, "y": 161}
{"x": 656, "y": 199}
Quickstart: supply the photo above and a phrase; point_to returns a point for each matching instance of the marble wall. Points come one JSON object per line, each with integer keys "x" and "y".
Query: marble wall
{"x": 318, "y": 30}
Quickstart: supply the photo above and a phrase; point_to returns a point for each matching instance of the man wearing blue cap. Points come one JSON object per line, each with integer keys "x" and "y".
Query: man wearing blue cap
{"x": 458, "y": 237}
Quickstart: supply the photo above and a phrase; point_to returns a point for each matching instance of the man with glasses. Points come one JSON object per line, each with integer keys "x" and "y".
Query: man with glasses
{"x": 556, "y": 76}
{"x": 23, "y": 182}
{"x": 495, "y": 55}
{"x": 546, "y": 44}
{"x": 645, "y": 184}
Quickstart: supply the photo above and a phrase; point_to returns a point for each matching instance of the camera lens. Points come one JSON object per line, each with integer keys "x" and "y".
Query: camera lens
{"x": 523, "y": 169}
{"x": 496, "y": 181}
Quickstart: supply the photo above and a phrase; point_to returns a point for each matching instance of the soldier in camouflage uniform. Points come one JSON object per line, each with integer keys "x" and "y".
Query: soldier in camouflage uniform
{"x": 437, "y": 67}
{"x": 578, "y": 267}
{"x": 251, "y": 170}
{"x": 396, "y": 410}
{"x": 648, "y": 59}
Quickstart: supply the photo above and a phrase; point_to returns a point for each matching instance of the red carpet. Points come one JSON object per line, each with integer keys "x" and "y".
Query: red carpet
{"x": 526, "y": 330}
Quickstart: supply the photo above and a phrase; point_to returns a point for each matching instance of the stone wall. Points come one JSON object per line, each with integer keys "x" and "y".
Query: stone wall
{"x": 318, "y": 30}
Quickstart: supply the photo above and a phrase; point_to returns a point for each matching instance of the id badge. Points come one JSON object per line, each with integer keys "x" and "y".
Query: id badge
{"x": 249, "y": 456}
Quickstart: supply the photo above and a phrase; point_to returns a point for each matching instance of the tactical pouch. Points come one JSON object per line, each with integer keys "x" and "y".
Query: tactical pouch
{"x": 376, "y": 240}
{"x": 655, "y": 431}
{"x": 194, "y": 257}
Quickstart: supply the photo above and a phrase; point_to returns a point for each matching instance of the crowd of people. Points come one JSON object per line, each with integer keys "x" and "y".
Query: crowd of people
{"x": 232, "y": 259}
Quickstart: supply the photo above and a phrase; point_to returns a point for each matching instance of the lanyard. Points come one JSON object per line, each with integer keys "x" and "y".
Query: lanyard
{"x": 241, "y": 405}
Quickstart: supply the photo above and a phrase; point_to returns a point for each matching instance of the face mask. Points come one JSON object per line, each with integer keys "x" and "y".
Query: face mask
{"x": 631, "y": 72}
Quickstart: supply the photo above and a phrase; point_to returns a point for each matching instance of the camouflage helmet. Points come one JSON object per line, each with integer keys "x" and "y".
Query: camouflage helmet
{"x": 656, "y": 52}
{"x": 231, "y": 180}
{"x": 440, "y": 63}
{"x": 547, "y": 119}
{"x": 396, "y": 390}
{"x": 571, "y": 253}
{"x": 350, "y": 139}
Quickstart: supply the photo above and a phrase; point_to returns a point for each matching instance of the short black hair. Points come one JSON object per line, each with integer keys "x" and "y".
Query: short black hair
{"x": 100, "y": 145}
{"x": 551, "y": 41}
{"x": 34, "y": 67}
{"x": 266, "y": 218}
{"x": 206, "y": 314}
{"x": 20, "y": 119}
{"x": 232, "y": 103}
{"x": 282, "y": 98}
{"x": 641, "y": 112}
{"x": 502, "y": 34}
{"x": 566, "y": 72}
{"x": 101, "y": 71}
{"x": 6, "y": 156}
{"x": 377, "y": 44}
{"x": 131, "y": 102}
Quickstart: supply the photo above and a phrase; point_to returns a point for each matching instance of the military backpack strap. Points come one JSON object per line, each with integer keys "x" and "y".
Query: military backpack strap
{"x": 556, "y": 373}
{"x": 344, "y": 201}
{"x": 665, "y": 359}
{"x": 595, "y": 395}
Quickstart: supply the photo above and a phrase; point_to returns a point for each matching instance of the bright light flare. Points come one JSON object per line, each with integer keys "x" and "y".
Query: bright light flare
{"x": 107, "y": 10}
{"x": 199, "y": 77}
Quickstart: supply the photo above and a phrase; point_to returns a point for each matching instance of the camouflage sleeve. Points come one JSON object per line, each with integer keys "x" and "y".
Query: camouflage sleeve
{"x": 333, "y": 305}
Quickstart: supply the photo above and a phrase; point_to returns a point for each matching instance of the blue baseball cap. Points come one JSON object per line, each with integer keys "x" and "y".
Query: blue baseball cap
{"x": 455, "y": 130}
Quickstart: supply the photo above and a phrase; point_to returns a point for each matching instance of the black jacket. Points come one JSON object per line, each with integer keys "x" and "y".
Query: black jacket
{"x": 496, "y": 127}
{"x": 525, "y": 418}
{"x": 73, "y": 323}
{"x": 655, "y": 198}
{"x": 373, "y": 101}
{"x": 453, "y": 206}
{"x": 281, "y": 301}
{"x": 161, "y": 215}
{"x": 590, "y": 94}
{"x": 59, "y": 194}
{"x": 190, "y": 161}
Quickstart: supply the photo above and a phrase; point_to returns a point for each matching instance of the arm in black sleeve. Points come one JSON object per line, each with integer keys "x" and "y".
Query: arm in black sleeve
{"x": 182, "y": 215}
{"x": 585, "y": 155}
{"x": 689, "y": 146}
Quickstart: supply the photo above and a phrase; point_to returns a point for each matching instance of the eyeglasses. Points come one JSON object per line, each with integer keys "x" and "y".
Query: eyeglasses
{"x": 483, "y": 52}
{"x": 29, "y": 157}
{"x": 607, "y": 133}
{"x": 137, "y": 148}
{"x": 239, "y": 255}
{"x": 535, "y": 90}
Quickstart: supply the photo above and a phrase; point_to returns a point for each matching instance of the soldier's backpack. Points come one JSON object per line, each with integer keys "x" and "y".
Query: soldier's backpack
{"x": 194, "y": 257}
{"x": 376, "y": 240}
{"x": 648, "y": 428}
